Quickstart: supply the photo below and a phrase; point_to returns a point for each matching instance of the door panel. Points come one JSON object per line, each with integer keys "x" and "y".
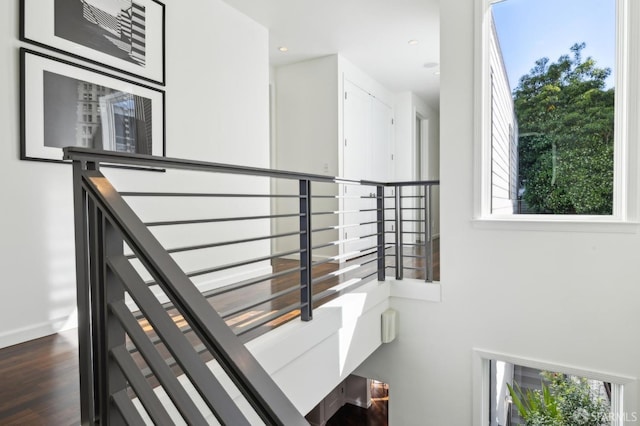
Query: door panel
{"x": 368, "y": 136}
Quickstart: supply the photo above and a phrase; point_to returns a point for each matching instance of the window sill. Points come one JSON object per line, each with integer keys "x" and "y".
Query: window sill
{"x": 557, "y": 224}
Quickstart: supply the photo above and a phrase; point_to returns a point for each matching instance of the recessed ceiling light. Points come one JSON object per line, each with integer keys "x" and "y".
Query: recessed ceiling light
{"x": 412, "y": 42}
{"x": 283, "y": 48}
{"x": 430, "y": 64}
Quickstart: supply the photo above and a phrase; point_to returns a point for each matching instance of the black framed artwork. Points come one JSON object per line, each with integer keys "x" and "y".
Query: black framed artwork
{"x": 65, "y": 104}
{"x": 125, "y": 35}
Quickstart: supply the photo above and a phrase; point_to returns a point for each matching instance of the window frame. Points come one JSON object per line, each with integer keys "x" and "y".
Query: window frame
{"x": 623, "y": 388}
{"x": 625, "y": 198}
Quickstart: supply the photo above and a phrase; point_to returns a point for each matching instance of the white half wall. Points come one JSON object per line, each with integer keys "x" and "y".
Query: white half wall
{"x": 309, "y": 359}
{"x": 217, "y": 109}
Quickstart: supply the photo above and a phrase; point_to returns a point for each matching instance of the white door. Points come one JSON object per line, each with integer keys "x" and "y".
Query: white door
{"x": 366, "y": 156}
{"x": 381, "y": 136}
{"x": 357, "y": 158}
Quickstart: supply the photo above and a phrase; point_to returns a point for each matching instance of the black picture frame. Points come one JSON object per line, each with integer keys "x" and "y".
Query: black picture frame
{"x": 132, "y": 43}
{"x": 62, "y": 101}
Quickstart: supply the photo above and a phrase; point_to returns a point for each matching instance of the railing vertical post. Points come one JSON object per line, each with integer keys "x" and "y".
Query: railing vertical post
{"x": 112, "y": 291}
{"x": 399, "y": 243}
{"x": 306, "y": 292}
{"x": 95, "y": 285}
{"x": 99, "y": 286}
{"x": 428, "y": 237}
{"x": 380, "y": 220}
{"x": 83, "y": 298}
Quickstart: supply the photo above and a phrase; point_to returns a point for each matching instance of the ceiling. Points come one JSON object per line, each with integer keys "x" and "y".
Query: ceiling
{"x": 372, "y": 34}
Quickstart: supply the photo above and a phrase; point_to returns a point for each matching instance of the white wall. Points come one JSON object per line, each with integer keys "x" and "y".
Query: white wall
{"x": 307, "y": 99}
{"x": 563, "y": 297}
{"x": 307, "y": 122}
{"x": 407, "y": 106}
{"x": 216, "y": 108}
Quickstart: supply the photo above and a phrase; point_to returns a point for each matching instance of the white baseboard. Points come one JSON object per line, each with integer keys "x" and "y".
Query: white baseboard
{"x": 358, "y": 402}
{"x": 46, "y": 328}
{"x": 33, "y": 331}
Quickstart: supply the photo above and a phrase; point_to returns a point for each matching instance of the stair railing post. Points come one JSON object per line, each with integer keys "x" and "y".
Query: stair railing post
{"x": 399, "y": 242}
{"x": 428, "y": 237}
{"x": 95, "y": 287}
{"x": 306, "y": 285}
{"x": 83, "y": 297}
{"x": 98, "y": 332}
{"x": 380, "y": 223}
{"x": 112, "y": 291}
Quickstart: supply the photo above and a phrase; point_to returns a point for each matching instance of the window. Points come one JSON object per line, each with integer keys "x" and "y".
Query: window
{"x": 554, "y": 101}
{"x": 511, "y": 388}
{"x": 516, "y": 392}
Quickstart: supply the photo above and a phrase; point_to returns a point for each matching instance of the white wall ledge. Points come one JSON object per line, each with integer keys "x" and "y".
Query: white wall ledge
{"x": 416, "y": 290}
{"x": 557, "y": 224}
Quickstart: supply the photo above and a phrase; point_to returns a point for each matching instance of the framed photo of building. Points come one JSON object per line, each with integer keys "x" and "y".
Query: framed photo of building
{"x": 64, "y": 104}
{"x": 124, "y": 35}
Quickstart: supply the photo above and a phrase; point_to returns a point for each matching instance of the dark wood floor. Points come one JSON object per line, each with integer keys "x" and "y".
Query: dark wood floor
{"x": 39, "y": 378}
{"x": 39, "y": 382}
{"x": 376, "y": 415}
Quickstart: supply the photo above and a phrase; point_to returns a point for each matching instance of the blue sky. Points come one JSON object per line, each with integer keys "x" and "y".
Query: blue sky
{"x": 531, "y": 29}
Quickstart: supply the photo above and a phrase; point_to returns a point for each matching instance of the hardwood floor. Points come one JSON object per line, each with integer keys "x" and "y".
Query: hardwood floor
{"x": 376, "y": 415}
{"x": 39, "y": 378}
{"x": 39, "y": 382}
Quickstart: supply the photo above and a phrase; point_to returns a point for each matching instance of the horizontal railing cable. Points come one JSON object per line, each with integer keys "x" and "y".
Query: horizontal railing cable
{"x": 250, "y": 282}
{"x": 268, "y": 318}
{"x": 217, "y": 220}
{"x": 224, "y": 243}
{"x": 340, "y": 289}
{"x": 258, "y": 302}
{"x": 354, "y": 253}
{"x": 346, "y": 240}
{"x": 241, "y": 263}
{"x": 342, "y": 271}
{"x": 338, "y": 227}
{"x": 204, "y": 195}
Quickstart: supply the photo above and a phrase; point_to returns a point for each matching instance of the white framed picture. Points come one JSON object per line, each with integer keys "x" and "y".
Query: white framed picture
{"x": 65, "y": 104}
{"x": 124, "y": 35}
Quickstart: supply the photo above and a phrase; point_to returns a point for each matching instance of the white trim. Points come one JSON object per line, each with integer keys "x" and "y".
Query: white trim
{"x": 625, "y": 203}
{"x": 596, "y": 224}
{"x": 416, "y": 290}
{"x": 33, "y": 331}
{"x": 482, "y": 145}
{"x": 480, "y": 377}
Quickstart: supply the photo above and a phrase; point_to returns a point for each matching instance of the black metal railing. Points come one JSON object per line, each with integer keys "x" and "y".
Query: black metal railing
{"x": 161, "y": 296}
{"x": 413, "y": 230}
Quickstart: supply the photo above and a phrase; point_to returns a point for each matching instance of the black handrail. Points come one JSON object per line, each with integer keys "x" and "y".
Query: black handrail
{"x": 142, "y": 160}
